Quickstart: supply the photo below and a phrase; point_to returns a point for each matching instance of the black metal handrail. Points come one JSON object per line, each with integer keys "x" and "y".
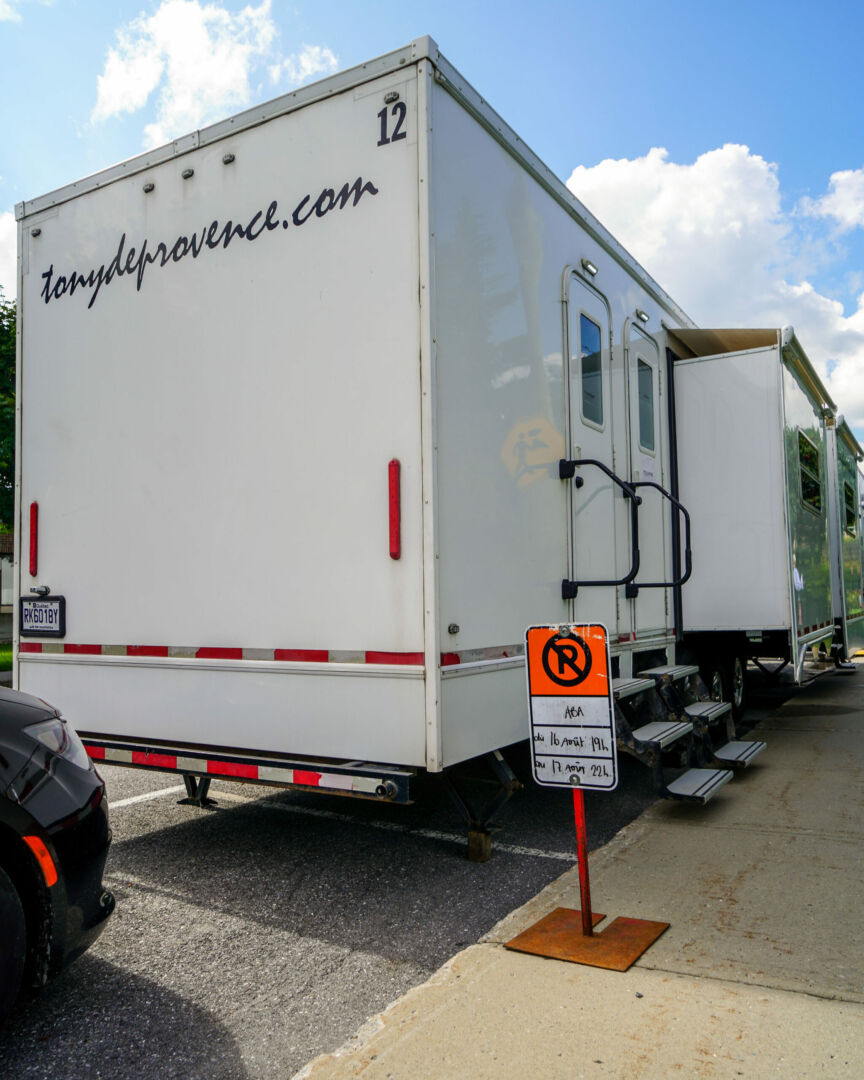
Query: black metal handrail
{"x": 567, "y": 471}
{"x": 632, "y": 589}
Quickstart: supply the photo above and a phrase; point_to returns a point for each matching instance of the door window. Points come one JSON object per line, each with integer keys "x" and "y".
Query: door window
{"x": 849, "y": 507}
{"x": 645, "y": 387}
{"x": 590, "y": 364}
{"x": 808, "y": 464}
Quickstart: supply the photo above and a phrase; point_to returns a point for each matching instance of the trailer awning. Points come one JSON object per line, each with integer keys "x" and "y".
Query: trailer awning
{"x": 714, "y": 342}
{"x": 693, "y": 343}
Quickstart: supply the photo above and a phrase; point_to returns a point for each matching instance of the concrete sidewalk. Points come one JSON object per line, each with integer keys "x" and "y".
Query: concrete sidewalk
{"x": 761, "y": 973}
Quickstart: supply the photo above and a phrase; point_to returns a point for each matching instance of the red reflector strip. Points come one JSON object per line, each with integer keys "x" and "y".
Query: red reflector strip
{"x": 34, "y": 538}
{"x": 155, "y": 761}
{"x": 394, "y": 470}
{"x": 43, "y": 857}
{"x": 394, "y": 658}
{"x": 311, "y": 779}
{"x": 237, "y": 770}
{"x": 314, "y": 656}
{"x": 307, "y": 656}
{"x": 232, "y": 768}
{"x": 146, "y": 650}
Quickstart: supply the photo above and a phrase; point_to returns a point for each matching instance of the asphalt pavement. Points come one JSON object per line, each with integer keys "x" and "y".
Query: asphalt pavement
{"x": 761, "y": 970}
{"x": 249, "y": 938}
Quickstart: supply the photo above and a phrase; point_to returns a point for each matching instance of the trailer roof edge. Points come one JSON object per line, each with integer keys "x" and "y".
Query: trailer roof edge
{"x": 419, "y": 49}
{"x": 789, "y": 342}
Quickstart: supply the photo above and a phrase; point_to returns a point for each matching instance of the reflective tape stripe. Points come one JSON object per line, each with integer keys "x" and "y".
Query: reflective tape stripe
{"x": 237, "y": 770}
{"x": 302, "y": 656}
{"x": 154, "y": 761}
{"x": 232, "y": 768}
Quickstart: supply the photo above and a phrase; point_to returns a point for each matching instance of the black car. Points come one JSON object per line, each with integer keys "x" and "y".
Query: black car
{"x": 54, "y": 839}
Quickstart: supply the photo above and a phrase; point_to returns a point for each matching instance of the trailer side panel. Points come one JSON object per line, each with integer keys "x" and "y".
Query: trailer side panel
{"x": 730, "y": 450}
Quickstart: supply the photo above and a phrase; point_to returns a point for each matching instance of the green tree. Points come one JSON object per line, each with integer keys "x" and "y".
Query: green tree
{"x": 7, "y": 414}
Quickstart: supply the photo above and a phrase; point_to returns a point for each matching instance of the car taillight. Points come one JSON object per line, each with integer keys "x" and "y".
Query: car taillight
{"x": 61, "y": 739}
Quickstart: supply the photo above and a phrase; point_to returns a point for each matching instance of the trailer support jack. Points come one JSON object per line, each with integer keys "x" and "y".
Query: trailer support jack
{"x": 196, "y": 792}
{"x": 773, "y": 674}
{"x": 479, "y": 821}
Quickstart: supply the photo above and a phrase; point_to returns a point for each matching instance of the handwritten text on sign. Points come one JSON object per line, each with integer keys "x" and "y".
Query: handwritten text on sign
{"x": 571, "y": 707}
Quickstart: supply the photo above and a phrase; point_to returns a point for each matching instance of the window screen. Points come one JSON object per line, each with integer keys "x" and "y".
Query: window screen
{"x": 849, "y": 508}
{"x": 590, "y": 358}
{"x": 808, "y": 462}
{"x": 645, "y": 382}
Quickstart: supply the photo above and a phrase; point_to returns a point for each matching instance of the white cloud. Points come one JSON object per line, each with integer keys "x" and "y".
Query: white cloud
{"x": 8, "y": 254}
{"x": 844, "y": 200}
{"x": 312, "y": 60}
{"x": 9, "y": 9}
{"x": 202, "y": 59}
{"x": 715, "y": 235}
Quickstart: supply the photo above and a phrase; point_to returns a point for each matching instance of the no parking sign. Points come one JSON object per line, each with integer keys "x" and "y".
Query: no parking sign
{"x": 573, "y": 745}
{"x": 570, "y": 705}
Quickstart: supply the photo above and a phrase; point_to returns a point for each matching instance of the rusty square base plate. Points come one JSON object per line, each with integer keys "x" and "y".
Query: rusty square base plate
{"x": 559, "y": 936}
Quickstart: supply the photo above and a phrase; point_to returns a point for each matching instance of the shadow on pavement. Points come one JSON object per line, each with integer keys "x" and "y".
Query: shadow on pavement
{"x": 99, "y": 1020}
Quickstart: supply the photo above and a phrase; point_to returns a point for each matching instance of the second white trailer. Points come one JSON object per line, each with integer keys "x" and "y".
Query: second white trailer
{"x": 752, "y": 419}
{"x": 844, "y": 454}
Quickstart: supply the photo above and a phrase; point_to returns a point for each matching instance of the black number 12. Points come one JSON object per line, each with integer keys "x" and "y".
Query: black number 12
{"x": 399, "y": 111}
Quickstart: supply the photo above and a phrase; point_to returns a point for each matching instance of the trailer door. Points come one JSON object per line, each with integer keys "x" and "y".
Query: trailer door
{"x": 650, "y": 606}
{"x": 594, "y": 502}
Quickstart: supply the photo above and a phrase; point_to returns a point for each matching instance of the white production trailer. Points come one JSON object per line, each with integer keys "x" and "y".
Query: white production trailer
{"x": 845, "y": 493}
{"x": 753, "y": 441}
{"x": 321, "y": 406}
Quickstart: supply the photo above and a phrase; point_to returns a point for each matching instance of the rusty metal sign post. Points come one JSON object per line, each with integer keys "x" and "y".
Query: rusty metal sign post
{"x": 572, "y": 716}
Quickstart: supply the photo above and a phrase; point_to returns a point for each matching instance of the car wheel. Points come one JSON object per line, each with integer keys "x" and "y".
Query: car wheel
{"x": 13, "y": 944}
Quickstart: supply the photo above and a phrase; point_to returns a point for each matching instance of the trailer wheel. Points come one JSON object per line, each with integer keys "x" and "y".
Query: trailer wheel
{"x": 13, "y": 944}
{"x": 737, "y": 672}
{"x": 715, "y": 675}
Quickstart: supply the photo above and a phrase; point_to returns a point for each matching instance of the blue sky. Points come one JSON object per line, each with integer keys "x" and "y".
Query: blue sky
{"x": 721, "y": 143}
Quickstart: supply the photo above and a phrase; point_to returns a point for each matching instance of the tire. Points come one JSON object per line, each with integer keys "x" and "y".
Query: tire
{"x": 715, "y": 675}
{"x": 13, "y": 944}
{"x": 725, "y": 678}
{"x": 737, "y": 685}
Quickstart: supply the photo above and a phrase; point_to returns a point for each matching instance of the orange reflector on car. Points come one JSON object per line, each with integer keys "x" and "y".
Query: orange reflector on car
{"x": 43, "y": 857}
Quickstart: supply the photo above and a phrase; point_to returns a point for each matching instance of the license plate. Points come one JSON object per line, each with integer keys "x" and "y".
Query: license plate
{"x": 43, "y": 617}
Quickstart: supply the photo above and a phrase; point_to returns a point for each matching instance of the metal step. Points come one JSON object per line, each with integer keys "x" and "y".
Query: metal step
{"x": 669, "y": 671}
{"x": 662, "y": 733}
{"x": 708, "y": 711}
{"x": 624, "y": 688}
{"x": 698, "y": 785}
{"x": 740, "y": 753}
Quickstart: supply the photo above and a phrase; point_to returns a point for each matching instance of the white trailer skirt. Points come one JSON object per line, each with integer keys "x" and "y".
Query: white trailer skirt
{"x": 373, "y": 714}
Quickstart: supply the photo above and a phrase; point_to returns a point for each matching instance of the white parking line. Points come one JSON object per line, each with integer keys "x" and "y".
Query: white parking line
{"x": 389, "y": 826}
{"x": 146, "y": 797}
